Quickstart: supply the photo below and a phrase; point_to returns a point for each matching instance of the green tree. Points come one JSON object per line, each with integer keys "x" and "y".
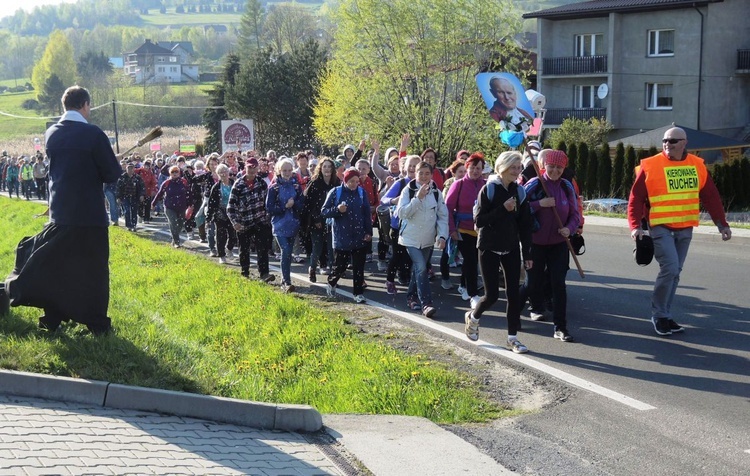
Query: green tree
{"x": 745, "y": 166}
{"x": 57, "y": 59}
{"x": 604, "y": 171}
{"x": 251, "y": 26}
{"x": 573, "y": 158}
{"x": 628, "y": 172}
{"x": 413, "y": 71}
{"x": 276, "y": 91}
{"x": 618, "y": 169}
{"x": 93, "y": 67}
{"x": 592, "y": 174}
{"x": 572, "y": 130}
{"x": 735, "y": 171}
{"x": 217, "y": 96}
{"x": 581, "y": 166}
{"x": 51, "y": 93}
{"x": 287, "y": 26}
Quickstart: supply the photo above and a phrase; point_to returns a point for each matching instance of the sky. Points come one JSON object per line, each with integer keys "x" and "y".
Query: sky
{"x": 9, "y": 7}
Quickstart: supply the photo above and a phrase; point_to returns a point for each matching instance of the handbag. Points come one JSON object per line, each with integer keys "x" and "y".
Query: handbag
{"x": 578, "y": 243}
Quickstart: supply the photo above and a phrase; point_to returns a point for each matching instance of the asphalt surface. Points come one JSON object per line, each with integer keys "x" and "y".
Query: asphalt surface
{"x": 693, "y": 387}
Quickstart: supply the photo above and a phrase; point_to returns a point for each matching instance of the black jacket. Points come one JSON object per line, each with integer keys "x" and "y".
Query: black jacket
{"x": 499, "y": 229}
{"x": 315, "y": 196}
{"x": 81, "y": 162}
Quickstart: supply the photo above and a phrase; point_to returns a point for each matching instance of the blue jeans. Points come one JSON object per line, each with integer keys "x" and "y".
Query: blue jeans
{"x": 130, "y": 208}
{"x": 114, "y": 208}
{"x": 176, "y": 221}
{"x": 286, "y": 244}
{"x": 13, "y": 185}
{"x": 670, "y": 251}
{"x": 419, "y": 286}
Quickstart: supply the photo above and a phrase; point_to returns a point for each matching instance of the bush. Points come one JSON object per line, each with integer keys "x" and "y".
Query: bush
{"x": 30, "y": 104}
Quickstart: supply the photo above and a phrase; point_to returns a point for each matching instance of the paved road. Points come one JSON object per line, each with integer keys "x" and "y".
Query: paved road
{"x": 692, "y": 388}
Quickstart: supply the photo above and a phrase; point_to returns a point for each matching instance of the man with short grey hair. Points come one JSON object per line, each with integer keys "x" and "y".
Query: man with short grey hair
{"x": 668, "y": 192}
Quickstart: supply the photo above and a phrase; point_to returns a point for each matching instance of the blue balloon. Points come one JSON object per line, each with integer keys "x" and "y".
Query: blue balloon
{"x": 512, "y": 138}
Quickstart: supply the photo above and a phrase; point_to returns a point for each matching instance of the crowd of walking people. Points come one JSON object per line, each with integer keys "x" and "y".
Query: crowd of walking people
{"x": 505, "y": 223}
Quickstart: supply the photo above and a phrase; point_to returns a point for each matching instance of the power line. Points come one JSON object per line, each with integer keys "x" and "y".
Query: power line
{"x": 126, "y": 103}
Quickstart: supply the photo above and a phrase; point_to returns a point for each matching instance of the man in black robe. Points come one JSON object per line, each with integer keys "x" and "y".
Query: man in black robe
{"x": 64, "y": 269}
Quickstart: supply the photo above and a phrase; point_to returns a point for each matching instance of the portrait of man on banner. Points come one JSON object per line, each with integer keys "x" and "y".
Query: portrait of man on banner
{"x": 505, "y": 98}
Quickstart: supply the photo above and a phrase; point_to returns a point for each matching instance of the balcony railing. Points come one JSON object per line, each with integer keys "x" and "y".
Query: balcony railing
{"x": 743, "y": 61}
{"x": 574, "y": 65}
{"x": 555, "y": 117}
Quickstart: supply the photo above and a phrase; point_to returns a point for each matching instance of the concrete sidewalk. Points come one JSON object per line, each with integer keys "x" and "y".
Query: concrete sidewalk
{"x": 88, "y": 427}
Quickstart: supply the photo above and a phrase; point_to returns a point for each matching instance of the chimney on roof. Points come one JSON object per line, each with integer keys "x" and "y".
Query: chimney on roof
{"x": 148, "y": 40}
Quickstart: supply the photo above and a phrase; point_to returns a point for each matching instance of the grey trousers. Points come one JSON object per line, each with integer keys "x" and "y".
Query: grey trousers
{"x": 670, "y": 251}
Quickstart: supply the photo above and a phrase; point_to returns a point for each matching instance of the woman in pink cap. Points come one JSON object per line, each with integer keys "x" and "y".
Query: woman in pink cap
{"x": 549, "y": 248}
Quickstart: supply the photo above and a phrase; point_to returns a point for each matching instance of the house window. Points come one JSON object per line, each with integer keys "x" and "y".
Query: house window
{"x": 661, "y": 43}
{"x": 173, "y": 69}
{"x": 160, "y": 69}
{"x": 584, "y": 97}
{"x": 590, "y": 44}
{"x": 658, "y": 96}
{"x": 172, "y": 59}
{"x": 159, "y": 59}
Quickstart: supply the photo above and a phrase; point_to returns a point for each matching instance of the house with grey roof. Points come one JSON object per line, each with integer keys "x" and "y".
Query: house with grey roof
{"x": 164, "y": 61}
{"x": 645, "y": 63}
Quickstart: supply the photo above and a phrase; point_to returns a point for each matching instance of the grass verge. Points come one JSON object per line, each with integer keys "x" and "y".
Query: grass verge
{"x": 184, "y": 323}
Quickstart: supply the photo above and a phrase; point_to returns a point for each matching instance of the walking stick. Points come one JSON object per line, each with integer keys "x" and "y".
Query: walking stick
{"x": 557, "y": 215}
{"x": 154, "y": 133}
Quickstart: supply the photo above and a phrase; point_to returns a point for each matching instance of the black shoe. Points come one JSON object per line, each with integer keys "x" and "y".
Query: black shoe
{"x": 674, "y": 327}
{"x": 661, "y": 326}
{"x": 49, "y": 324}
{"x": 311, "y": 275}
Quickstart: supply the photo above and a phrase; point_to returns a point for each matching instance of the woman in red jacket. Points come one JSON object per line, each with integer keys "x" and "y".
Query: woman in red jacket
{"x": 367, "y": 183}
{"x": 149, "y": 181}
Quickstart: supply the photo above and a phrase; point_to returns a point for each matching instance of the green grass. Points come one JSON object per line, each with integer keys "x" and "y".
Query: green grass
{"x": 154, "y": 18}
{"x": 12, "y": 127}
{"x": 184, "y": 323}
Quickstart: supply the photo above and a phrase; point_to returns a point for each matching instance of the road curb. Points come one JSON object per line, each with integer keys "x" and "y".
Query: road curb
{"x": 266, "y": 416}
{"x": 703, "y": 233}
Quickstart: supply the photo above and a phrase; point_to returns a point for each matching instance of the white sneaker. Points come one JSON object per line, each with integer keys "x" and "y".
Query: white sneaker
{"x": 331, "y": 291}
{"x": 472, "y": 326}
{"x": 516, "y": 346}
{"x": 539, "y": 316}
{"x": 464, "y": 293}
{"x": 382, "y": 265}
{"x": 359, "y": 299}
{"x": 222, "y": 261}
{"x": 474, "y": 302}
{"x": 446, "y": 284}
{"x": 230, "y": 254}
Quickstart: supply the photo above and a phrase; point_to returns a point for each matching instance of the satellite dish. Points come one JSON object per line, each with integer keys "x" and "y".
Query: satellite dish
{"x": 602, "y": 91}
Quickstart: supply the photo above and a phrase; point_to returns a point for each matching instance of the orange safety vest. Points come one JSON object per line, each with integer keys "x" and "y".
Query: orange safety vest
{"x": 673, "y": 189}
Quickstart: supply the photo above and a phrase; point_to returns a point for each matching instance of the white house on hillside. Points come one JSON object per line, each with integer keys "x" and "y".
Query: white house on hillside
{"x": 167, "y": 61}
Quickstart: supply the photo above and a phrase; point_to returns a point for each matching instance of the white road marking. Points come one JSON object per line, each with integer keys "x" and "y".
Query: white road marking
{"x": 523, "y": 359}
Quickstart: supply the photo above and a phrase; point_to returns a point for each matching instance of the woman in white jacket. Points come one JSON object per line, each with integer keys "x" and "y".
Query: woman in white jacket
{"x": 423, "y": 224}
